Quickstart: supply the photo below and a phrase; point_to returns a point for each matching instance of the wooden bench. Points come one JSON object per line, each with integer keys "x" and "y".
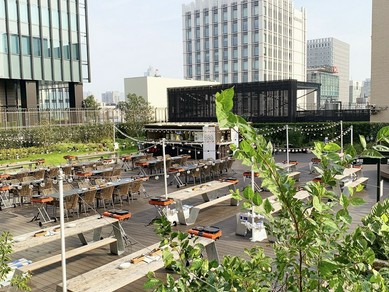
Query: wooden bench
{"x": 69, "y": 254}
{"x": 295, "y": 175}
{"x": 357, "y": 182}
{"x": 78, "y": 228}
{"x": 194, "y": 211}
{"x": 111, "y": 276}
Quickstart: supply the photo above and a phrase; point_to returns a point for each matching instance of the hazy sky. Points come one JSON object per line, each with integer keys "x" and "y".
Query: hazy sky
{"x": 128, "y": 36}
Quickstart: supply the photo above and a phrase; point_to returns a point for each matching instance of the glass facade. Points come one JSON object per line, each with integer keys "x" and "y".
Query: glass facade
{"x": 245, "y": 31}
{"x": 43, "y": 43}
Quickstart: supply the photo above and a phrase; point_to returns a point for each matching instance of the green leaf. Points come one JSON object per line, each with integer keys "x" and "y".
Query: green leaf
{"x": 257, "y": 200}
{"x": 327, "y": 267}
{"x": 363, "y": 141}
{"x": 248, "y": 193}
{"x": 330, "y": 224}
{"x": 372, "y": 153}
{"x": 355, "y": 201}
{"x": 196, "y": 264}
{"x": 344, "y": 201}
{"x": 151, "y": 283}
{"x": 317, "y": 204}
{"x": 332, "y": 147}
{"x": 383, "y": 134}
{"x": 267, "y": 206}
{"x": 381, "y": 148}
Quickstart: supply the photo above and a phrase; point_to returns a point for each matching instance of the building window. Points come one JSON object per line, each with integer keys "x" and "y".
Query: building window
{"x": 197, "y": 45}
{"x": 245, "y": 65}
{"x": 245, "y": 25}
{"x": 189, "y": 46}
{"x": 12, "y": 10}
{"x": 15, "y": 44}
{"x": 256, "y": 36}
{"x": 234, "y": 40}
{"x": 215, "y": 14}
{"x": 225, "y": 54}
{"x": 215, "y": 30}
{"x": 216, "y": 56}
{"x": 225, "y": 27}
{"x": 245, "y": 51}
{"x": 235, "y": 53}
{"x": 198, "y": 58}
{"x": 256, "y": 23}
{"x": 216, "y": 68}
{"x": 26, "y": 49}
{"x": 256, "y": 50}
{"x": 235, "y": 66}
{"x": 244, "y": 10}
{"x": 235, "y": 26}
{"x": 206, "y": 17}
{"x": 197, "y": 33}
{"x": 225, "y": 41}
{"x": 206, "y": 31}
{"x": 235, "y": 77}
{"x": 3, "y": 44}
{"x": 206, "y": 44}
{"x": 225, "y": 67}
{"x": 245, "y": 77}
{"x": 255, "y": 8}
{"x": 215, "y": 43}
{"x": 245, "y": 38}
{"x": 197, "y": 18}
{"x": 234, "y": 12}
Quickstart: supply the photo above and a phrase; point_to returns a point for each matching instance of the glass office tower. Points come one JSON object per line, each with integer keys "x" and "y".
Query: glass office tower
{"x": 44, "y": 53}
{"x": 234, "y": 41}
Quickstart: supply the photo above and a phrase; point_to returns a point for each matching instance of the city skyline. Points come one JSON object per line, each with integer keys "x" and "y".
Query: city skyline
{"x": 124, "y": 42}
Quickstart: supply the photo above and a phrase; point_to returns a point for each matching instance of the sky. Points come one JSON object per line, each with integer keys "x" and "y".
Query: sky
{"x": 128, "y": 36}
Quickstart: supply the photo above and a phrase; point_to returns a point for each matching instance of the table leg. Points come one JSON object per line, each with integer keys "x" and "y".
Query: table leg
{"x": 117, "y": 247}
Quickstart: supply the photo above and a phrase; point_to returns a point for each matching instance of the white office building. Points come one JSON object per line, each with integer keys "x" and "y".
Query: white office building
{"x": 233, "y": 41}
{"x": 154, "y": 91}
{"x": 355, "y": 90}
{"x": 333, "y": 53}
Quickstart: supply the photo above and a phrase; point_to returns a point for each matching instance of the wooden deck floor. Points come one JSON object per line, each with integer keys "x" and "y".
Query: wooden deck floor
{"x": 141, "y": 235}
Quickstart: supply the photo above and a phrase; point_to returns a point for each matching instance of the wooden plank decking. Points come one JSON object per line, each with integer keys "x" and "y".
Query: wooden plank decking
{"x": 140, "y": 235}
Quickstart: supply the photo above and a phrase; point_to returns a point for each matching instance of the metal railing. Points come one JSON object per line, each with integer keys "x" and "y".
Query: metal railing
{"x": 26, "y": 118}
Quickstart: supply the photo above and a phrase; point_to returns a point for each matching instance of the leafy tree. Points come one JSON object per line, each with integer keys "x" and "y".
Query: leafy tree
{"x": 90, "y": 103}
{"x": 137, "y": 112}
{"x": 19, "y": 281}
{"x": 314, "y": 248}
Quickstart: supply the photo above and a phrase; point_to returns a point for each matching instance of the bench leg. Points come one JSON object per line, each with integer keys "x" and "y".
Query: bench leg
{"x": 118, "y": 246}
{"x": 212, "y": 253}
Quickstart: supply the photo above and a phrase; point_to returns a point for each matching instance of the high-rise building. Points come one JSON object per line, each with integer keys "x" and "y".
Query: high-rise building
{"x": 44, "y": 53}
{"x": 355, "y": 90}
{"x": 329, "y": 90}
{"x": 111, "y": 97}
{"x": 333, "y": 53}
{"x": 233, "y": 41}
{"x": 380, "y": 61}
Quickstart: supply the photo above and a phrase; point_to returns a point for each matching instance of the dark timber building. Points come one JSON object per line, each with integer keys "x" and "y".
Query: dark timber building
{"x": 269, "y": 101}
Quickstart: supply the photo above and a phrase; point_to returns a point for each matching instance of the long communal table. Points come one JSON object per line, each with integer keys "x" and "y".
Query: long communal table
{"x": 121, "y": 272}
{"x": 187, "y": 215}
{"x": 78, "y": 227}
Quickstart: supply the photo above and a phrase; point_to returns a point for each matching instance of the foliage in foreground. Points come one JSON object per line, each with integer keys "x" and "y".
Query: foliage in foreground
{"x": 315, "y": 250}
{"x": 19, "y": 281}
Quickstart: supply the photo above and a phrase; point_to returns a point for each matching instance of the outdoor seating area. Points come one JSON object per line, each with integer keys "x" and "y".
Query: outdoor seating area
{"x": 91, "y": 188}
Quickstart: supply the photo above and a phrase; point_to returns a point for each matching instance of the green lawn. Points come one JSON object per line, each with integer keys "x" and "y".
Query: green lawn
{"x": 57, "y": 158}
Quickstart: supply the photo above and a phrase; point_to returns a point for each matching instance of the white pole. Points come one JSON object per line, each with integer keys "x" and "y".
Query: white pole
{"x": 352, "y": 135}
{"x": 114, "y": 134}
{"x": 287, "y": 144}
{"x": 164, "y": 166}
{"x": 341, "y": 136}
{"x": 62, "y": 227}
{"x": 253, "y": 188}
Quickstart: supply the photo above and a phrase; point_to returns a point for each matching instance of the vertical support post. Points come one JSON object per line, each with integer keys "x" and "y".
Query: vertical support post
{"x": 287, "y": 144}
{"x": 341, "y": 136}
{"x": 62, "y": 225}
{"x": 378, "y": 179}
{"x": 164, "y": 166}
{"x": 352, "y": 135}
{"x": 253, "y": 188}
